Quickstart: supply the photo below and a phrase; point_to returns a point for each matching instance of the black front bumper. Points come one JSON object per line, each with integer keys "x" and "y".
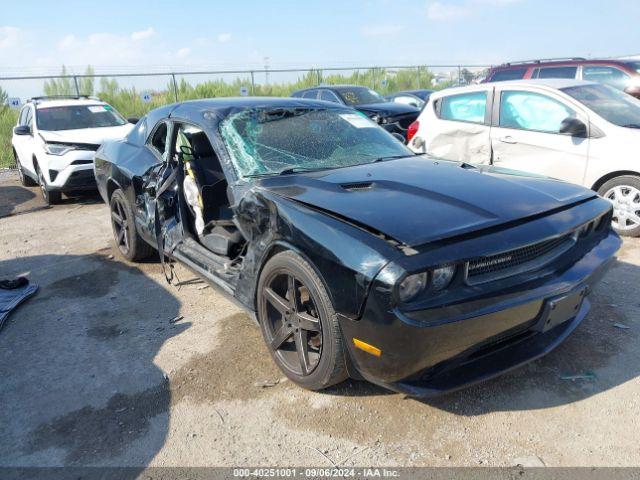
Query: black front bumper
{"x": 451, "y": 347}
{"x": 80, "y": 180}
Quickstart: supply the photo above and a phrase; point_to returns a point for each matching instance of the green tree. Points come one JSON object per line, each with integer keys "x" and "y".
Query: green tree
{"x": 63, "y": 85}
{"x": 86, "y": 84}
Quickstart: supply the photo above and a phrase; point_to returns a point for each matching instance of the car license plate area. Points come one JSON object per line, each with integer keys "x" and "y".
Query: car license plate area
{"x": 561, "y": 309}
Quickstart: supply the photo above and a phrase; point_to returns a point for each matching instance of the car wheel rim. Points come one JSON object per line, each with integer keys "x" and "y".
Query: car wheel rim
{"x": 293, "y": 327}
{"x": 626, "y": 206}
{"x": 120, "y": 226}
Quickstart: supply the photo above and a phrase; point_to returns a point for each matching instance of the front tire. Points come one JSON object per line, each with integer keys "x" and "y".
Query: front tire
{"x": 50, "y": 197}
{"x": 128, "y": 242}
{"x": 624, "y": 193}
{"x": 299, "y": 324}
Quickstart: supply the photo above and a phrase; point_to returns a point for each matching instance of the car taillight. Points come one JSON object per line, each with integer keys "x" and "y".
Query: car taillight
{"x": 412, "y": 130}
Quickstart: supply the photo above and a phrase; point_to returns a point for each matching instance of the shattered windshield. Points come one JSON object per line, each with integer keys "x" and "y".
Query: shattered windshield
{"x": 265, "y": 141}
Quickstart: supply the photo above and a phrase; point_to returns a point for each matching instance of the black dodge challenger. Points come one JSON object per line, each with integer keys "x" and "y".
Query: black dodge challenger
{"x": 357, "y": 257}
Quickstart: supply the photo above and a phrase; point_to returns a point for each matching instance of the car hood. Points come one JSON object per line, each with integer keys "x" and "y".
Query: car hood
{"x": 387, "y": 109}
{"x": 95, "y": 136}
{"x": 419, "y": 199}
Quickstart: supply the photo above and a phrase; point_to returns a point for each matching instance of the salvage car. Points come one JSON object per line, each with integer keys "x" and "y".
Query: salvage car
{"x": 356, "y": 257}
{"x": 393, "y": 117}
{"x": 581, "y": 132}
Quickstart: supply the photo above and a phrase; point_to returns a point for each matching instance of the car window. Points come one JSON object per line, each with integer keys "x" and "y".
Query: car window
{"x": 611, "y": 104}
{"x": 310, "y": 94}
{"x": 409, "y": 100}
{"x": 511, "y": 74}
{"x": 466, "y": 107}
{"x": 607, "y": 75}
{"x": 328, "y": 96}
{"x": 23, "y": 116}
{"x": 556, "y": 72}
{"x": 29, "y": 118}
{"x": 360, "y": 96}
{"x": 532, "y": 111}
{"x": 158, "y": 139}
{"x": 72, "y": 117}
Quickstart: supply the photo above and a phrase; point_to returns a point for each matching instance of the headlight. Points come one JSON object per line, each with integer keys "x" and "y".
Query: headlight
{"x": 441, "y": 277}
{"x": 58, "y": 148}
{"x": 412, "y": 286}
{"x": 376, "y": 118}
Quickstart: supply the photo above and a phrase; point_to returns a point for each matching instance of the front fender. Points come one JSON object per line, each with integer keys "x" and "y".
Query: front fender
{"x": 345, "y": 257}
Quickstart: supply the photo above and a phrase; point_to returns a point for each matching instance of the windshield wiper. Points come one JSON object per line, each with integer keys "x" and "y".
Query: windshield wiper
{"x": 632, "y": 125}
{"x": 391, "y": 157}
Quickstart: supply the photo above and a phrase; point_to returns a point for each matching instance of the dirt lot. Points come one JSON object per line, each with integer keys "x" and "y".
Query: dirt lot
{"x": 93, "y": 373}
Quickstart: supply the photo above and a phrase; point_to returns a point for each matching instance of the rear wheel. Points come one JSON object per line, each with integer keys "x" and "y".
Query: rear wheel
{"x": 624, "y": 193}
{"x": 50, "y": 197}
{"x": 299, "y": 323}
{"x": 25, "y": 180}
{"x": 129, "y": 243}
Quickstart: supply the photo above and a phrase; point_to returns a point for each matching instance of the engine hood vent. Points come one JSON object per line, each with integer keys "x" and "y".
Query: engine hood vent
{"x": 357, "y": 186}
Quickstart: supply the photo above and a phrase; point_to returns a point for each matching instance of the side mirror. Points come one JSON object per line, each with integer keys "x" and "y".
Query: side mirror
{"x": 398, "y": 137}
{"x": 133, "y": 120}
{"x": 574, "y": 127}
{"x": 22, "y": 130}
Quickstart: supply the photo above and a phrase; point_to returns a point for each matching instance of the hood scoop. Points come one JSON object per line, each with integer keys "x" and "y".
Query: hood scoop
{"x": 355, "y": 186}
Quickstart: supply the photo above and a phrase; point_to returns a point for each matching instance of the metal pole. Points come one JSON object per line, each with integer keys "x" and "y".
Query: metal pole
{"x": 459, "y": 76}
{"x": 75, "y": 82}
{"x": 175, "y": 86}
{"x": 253, "y": 84}
{"x": 319, "y": 77}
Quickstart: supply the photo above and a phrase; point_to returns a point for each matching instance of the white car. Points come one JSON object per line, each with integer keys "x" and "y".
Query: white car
{"x": 55, "y": 141}
{"x": 581, "y": 132}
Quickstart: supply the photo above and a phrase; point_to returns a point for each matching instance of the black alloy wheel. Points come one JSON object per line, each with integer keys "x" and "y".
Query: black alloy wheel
{"x": 298, "y": 322}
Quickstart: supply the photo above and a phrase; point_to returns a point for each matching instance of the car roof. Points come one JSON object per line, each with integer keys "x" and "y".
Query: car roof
{"x": 194, "y": 109}
{"x": 254, "y": 102}
{"x": 552, "y": 83}
{"x": 66, "y": 102}
{"x": 559, "y": 63}
{"x": 332, "y": 87}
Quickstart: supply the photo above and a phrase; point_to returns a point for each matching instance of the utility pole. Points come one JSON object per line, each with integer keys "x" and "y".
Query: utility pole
{"x": 266, "y": 70}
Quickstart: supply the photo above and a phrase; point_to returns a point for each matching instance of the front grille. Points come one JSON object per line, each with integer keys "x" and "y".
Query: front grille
{"x": 81, "y": 178}
{"x": 509, "y": 263}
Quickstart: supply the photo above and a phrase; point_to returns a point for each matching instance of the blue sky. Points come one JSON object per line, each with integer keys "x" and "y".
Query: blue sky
{"x": 39, "y": 36}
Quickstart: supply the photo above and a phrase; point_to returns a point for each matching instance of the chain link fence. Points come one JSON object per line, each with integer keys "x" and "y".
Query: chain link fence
{"x": 134, "y": 94}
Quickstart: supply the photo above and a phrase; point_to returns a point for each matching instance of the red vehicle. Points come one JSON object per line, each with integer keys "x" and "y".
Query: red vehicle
{"x": 621, "y": 74}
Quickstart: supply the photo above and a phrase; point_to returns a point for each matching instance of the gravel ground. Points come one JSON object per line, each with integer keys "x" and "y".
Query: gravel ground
{"x": 95, "y": 373}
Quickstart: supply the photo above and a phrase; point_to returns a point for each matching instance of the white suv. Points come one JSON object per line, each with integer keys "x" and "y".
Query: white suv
{"x": 580, "y": 132}
{"x": 56, "y": 138}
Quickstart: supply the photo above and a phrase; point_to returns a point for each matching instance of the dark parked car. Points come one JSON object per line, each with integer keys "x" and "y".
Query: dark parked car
{"x": 357, "y": 257}
{"x": 393, "y": 117}
{"x": 621, "y": 74}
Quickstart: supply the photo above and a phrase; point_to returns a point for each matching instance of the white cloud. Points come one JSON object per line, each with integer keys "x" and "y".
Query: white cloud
{"x": 496, "y": 3}
{"x": 67, "y": 41}
{"x": 448, "y": 10}
{"x": 224, "y": 37}
{"x": 142, "y": 34}
{"x": 439, "y": 11}
{"x": 380, "y": 30}
{"x": 183, "y": 52}
{"x": 9, "y": 37}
